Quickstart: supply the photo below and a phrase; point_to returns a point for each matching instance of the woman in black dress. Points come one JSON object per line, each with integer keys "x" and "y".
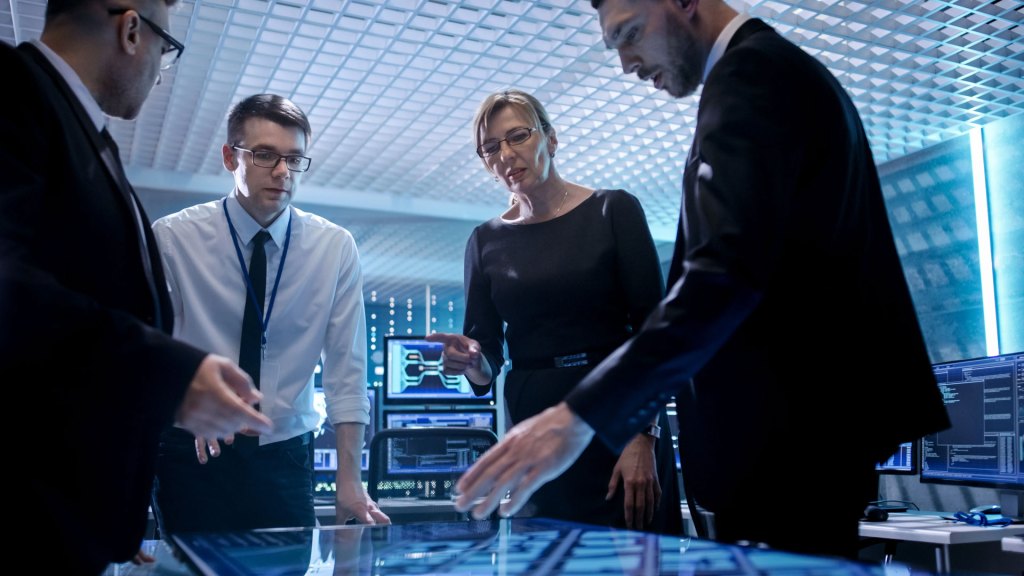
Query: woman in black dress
{"x": 563, "y": 276}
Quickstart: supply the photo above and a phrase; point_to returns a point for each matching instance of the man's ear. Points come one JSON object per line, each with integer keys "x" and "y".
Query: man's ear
{"x": 230, "y": 160}
{"x": 129, "y": 32}
{"x": 687, "y": 6}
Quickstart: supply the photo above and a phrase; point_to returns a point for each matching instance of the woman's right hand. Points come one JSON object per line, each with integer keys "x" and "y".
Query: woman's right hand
{"x": 462, "y": 357}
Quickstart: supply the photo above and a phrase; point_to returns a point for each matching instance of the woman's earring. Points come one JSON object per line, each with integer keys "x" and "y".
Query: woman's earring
{"x": 495, "y": 177}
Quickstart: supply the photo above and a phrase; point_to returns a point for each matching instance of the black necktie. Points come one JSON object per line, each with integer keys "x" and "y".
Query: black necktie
{"x": 129, "y": 192}
{"x": 251, "y": 352}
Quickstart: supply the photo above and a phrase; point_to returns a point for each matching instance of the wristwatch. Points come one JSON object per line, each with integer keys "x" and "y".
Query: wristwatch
{"x": 653, "y": 430}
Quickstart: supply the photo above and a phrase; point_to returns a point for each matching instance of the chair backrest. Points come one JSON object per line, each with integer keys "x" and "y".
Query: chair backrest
{"x": 423, "y": 462}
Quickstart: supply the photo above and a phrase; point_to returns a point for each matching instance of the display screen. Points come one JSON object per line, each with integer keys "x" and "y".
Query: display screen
{"x": 413, "y": 375}
{"x": 984, "y": 398}
{"x": 903, "y": 461}
{"x": 517, "y": 547}
{"x": 325, "y": 444}
{"x": 431, "y": 419}
{"x": 433, "y": 455}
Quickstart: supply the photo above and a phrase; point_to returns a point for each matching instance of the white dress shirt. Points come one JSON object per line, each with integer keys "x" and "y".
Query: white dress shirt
{"x": 722, "y": 42}
{"x": 92, "y": 108}
{"x": 318, "y": 312}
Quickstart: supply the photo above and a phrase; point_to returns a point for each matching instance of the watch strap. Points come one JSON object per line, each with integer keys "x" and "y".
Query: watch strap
{"x": 653, "y": 430}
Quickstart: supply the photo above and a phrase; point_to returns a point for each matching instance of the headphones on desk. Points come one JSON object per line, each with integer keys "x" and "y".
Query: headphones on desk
{"x": 875, "y": 514}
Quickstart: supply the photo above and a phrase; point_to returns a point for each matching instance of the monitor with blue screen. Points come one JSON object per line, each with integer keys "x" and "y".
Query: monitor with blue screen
{"x": 413, "y": 375}
{"x": 985, "y": 444}
{"x": 325, "y": 447}
{"x": 432, "y": 418}
{"x": 433, "y": 455}
{"x": 903, "y": 461}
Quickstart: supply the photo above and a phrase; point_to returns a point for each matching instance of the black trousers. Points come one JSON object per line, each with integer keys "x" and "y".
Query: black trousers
{"x": 267, "y": 487}
{"x": 807, "y": 515}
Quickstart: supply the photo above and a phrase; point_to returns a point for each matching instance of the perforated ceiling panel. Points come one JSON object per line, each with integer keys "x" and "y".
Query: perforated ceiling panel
{"x": 391, "y": 87}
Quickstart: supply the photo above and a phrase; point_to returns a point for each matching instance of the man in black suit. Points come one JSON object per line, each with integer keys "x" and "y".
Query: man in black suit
{"x": 85, "y": 316}
{"x": 783, "y": 230}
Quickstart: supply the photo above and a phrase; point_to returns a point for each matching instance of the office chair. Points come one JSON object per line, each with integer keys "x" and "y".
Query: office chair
{"x": 423, "y": 463}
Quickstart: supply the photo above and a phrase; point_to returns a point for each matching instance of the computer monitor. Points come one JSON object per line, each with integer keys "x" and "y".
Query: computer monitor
{"x": 985, "y": 444}
{"x": 487, "y": 419}
{"x": 325, "y": 447}
{"x": 413, "y": 375}
{"x": 430, "y": 456}
{"x": 903, "y": 461}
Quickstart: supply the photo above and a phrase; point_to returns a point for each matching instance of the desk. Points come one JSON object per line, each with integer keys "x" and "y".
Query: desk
{"x": 404, "y": 510}
{"x": 507, "y": 547}
{"x": 931, "y": 528}
{"x": 1013, "y": 544}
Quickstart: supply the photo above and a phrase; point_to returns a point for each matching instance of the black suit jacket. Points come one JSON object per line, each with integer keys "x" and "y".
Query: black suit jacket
{"x": 783, "y": 232}
{"x": 77, "y": 322}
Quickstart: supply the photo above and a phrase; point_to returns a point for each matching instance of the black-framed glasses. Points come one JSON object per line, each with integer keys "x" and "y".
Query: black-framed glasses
{"x": 268, "y": 159}
{"x": 514, "y": 137}
{"x": 171, "y": 51}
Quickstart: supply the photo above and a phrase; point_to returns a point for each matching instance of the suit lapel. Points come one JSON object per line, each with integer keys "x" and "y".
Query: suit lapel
{"x": 84, "y": 122}
{"x": 748, "y": 29}
{"x": 152, "y": 268}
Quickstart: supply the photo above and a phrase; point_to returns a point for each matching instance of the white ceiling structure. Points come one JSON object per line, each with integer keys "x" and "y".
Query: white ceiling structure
{"x": 391, "y": 86}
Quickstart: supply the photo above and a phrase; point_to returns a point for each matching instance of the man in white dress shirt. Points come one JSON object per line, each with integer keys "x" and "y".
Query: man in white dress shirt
{"x": 312, "y": 311}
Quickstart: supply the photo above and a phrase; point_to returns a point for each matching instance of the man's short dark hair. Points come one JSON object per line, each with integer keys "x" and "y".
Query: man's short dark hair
{"x": 58, "y": 7}
{"x": 271, "y": 107}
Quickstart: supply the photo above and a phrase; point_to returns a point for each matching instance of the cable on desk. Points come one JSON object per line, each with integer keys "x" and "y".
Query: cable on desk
{"x": 884, "y": 503}
{"x": 979, "y": 519}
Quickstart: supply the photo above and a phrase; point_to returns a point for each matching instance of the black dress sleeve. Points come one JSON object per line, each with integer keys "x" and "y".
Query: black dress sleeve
{"x": 482, "y": 321}
{"x": 637, "y": 259}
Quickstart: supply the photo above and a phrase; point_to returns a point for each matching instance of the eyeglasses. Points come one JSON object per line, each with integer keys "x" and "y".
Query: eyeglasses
{"x": 268, "y": 159}
{"x": 514, "y": 137}
{"x": 171, "y": 52}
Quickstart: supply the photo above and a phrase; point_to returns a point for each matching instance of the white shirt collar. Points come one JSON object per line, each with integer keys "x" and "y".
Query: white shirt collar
{"x": 92, "y": 108}
{"x": 247, "y": 228}
{"x": 723, "y": 42}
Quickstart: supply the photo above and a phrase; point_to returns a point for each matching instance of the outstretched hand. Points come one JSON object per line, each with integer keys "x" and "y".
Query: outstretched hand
{"x": 462, "y": 357}
{"x": 533, "y": 452}
{"x": 218, "y": 402}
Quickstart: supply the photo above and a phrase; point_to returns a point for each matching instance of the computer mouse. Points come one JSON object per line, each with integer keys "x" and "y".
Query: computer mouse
{"x": 875, "y": 514}
{"x": 987, "y": 509}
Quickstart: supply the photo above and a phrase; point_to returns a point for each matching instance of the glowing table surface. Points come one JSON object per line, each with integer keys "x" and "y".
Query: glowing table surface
{"x": 499, "y": 547}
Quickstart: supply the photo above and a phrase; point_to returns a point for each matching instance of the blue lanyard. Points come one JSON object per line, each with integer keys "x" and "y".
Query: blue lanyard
{"x": 264, "y": 320}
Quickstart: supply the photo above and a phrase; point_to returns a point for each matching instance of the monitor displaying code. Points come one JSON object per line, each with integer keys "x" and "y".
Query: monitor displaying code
{"x": 325, "y": 444}
{"x": 433, "y": 454}
{"x": 903, "y": 461}
{"x": 984, "y": 447}
{"x": 430, "y": 419}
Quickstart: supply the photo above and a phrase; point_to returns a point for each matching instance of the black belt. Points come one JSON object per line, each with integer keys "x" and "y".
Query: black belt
{"x": 590, "y": 358}
{"x": 179, "y": 435}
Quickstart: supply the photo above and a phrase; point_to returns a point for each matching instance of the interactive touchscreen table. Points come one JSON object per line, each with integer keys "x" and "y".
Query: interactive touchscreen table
{"x": 498, "y": 547}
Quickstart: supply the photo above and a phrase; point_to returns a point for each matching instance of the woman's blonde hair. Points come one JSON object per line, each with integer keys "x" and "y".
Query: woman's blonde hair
{"x": 511, "y": 98}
